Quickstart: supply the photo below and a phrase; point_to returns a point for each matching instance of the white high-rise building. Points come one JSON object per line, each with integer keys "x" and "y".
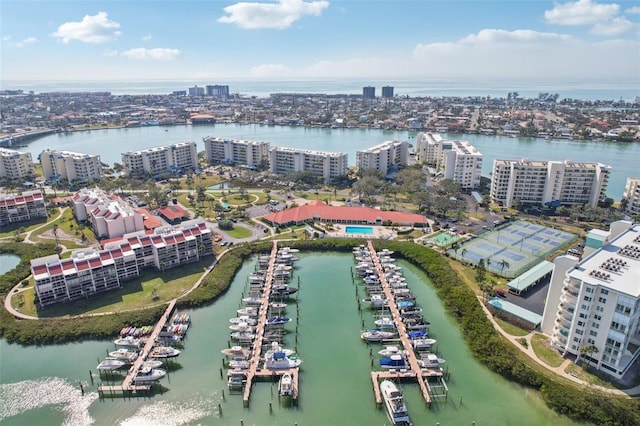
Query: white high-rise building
{"x": 384, "y": 157}
{"x": 70, "y": 165}
{"x": 174, "y": 158}
{"x": 542, "y": 182}
{"x": 632, "y": 196}
{"x": 19, "y": 208}
{"x": 15, "y": 164}
{"x": 327, "y": 165}
{"x": 595, "y": 302}
{"x": 236, "y": 151}
{"x": 429, "y": 147}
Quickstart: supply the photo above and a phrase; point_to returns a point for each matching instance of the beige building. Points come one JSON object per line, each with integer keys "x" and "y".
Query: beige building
{"x": 236, "y": 151}
{"x": 385, "y": 157}
{"x": 175, "y": 158}
{"x": 632, "y": 197}
{"x": 542, "y": 182}
{"x": 20, "y": 208}
{"x": 15, "y": 164}
{"x": 71, "y": 166}
{"x": 325, "y": 165}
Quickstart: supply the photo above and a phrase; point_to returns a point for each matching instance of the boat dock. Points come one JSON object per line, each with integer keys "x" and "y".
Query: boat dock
{"x": 254, "y": 370}
{"x": 127, "y": 384}
{"x": 416, "y": 371}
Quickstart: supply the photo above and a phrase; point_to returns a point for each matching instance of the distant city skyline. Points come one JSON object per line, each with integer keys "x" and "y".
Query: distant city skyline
{"x": 296, "y": 39}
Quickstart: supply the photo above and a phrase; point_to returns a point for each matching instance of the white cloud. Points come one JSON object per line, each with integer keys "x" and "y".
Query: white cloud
{"x": 92, "y": 29}
{"x": 278, "y": 15}
{"x": 110, "y": 52}
{"x": 269, "y": 71}
{"x": 157, "y": 54}
{"x": 148, "y": 37}
{"x": 616, "y": 26}
{"x": 21, "y": 43}
{"x": 6, "y": 38}
{"x": 582, "y": 12}
{"x": 633, "y": 10}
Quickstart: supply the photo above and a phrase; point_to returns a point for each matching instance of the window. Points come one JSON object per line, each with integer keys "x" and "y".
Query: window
{"x": 602, "y": 300}
{"x": 579, "y": 332}
{"x": 597, "y": 317}
{"x": 583, "y": 316}
{"x": 591, "y": 341}
{"x": 604, "y": 291}
{"x": 580, "y": 324}
{"x": 593, "y": 333}
{"x": 600, "y": 308}
{"x": 595, "y": 325}
{"x": 589, "y": 290}
{"x": 587, "y": 299}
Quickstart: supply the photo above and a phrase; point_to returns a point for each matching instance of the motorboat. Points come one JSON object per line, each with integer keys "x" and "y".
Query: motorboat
{"x": 164, "y": 352}
{"x": 253, "y": 301}
{"x": 385, "y": 322}
{"x": 128, "y": 343}
{"x": 152, "y": 363}
{"x": 243, "y": 326}
{"x": 273, "y": 321}
{"x": 406, "y": 305}
{"x": 146, "y": 375}
{"x": 124, "y": 355}
{"x": 392, "y": 350}
{"x": 236, "y": 379}
{"x": 243, "y": 335}
{"x": 418, "y": 334}
{"x": 236, "y": 351}
{"x": 376, "y": 301}
{"x": 280, "y": 361}
{"x": 285, "y": 387}
{"x": 431, "y": 361}
{"x": 110, "y": 364}
{"x": 249, "y": 311}
{"x": 376, "y": 335}
{"x": 423, "y": 343}
{"x": 394, "y": 402}
{"x": 275, "y": 306}
{"x": 239, "y": 363}
{"x": 243, "y": 319}
{"x": 396, "y": 361}
{"x": 283, "y": 289}
{"x": 275, "y": 347}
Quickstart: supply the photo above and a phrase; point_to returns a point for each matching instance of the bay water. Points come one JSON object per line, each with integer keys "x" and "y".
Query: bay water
{"x": 111, "y": 143}
{"x": 41, "y": 385}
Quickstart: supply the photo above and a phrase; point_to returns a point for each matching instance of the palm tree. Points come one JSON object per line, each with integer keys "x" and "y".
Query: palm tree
{"x": 463, "y": 252}
{"x": 503, "y": 264}
{"x": 587, "y": 351}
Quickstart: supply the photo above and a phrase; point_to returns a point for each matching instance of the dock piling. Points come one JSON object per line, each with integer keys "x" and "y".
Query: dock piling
{"x": 220, "y": 410}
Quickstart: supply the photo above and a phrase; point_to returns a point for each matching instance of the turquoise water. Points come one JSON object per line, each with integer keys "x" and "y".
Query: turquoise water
{"x": 358, "y": 230}
{"x": 8, "y": 262}
{"x": 40, "y": 385}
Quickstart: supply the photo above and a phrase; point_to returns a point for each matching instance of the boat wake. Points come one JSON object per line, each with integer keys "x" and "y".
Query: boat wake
{"x": 17, "y": 398}
{"x": 168, "y": 414}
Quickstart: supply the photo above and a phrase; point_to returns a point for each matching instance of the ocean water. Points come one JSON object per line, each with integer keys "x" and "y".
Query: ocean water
{"x": 574, "y": 89}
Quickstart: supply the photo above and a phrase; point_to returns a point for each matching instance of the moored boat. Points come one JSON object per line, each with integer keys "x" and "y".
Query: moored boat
{"x": 124, "y": 355}
{"x": 431, "y": 361}
{"x": 236, "y": 351}
{"x": 110, "y": 364}
{"x": 146, "y": 375}
{"x": 285, "y": 387}
{"x": 376, "y": 335}
{"x": 280, "y": 361}
{"x": 164, "y": 352}
{"x": 392, "y": 350}
{"x": 396, "y": 361}
{"x": 128, "y": 343}
{"x": 394, "y": 402}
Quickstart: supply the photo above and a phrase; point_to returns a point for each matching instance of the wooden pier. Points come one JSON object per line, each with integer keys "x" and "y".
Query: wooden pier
{"x": 416, "y": 370}
{"x": 127, "y": 384}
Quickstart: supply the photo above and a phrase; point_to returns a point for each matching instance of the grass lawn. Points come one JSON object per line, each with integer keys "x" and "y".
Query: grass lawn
{"x": 151, "y": 288}
{"x": 541, "y": 346}
{"x": 511, "y": 329}
{"x": 12, "y": 229}
{"x": 239, "y": 232}
{"x": 237, "y": 200}
{"x": 583, "y": 374}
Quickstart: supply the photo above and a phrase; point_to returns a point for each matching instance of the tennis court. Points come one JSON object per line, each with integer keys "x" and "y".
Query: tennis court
{"x": 512, "y": 249}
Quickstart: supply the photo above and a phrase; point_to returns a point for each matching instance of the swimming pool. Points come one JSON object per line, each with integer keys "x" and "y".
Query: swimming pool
{"x": 358, "y": 230}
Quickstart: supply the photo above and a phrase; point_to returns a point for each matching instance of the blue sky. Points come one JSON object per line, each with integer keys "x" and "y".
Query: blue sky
{"x": 315, "y": 39}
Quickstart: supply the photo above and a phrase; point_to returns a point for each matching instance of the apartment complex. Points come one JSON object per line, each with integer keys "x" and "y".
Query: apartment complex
{"x": 110, "y": 216}
{"x": 217, "y": 90}
{"x": 632, "y": 197}
{"x": 325, "y": 165}
{"x": 386, "y": 157}
{"x": 368, "y": 92}
{"x": 19, "y": 208}
{"x": 174, "y": 158}
{"x": 89, "y": 272}
{"x": 456, "y": 160}
{"x": 387, "y": 92}
{"x": 594, "y": 303}
{"x": 548, "y": 182}
{"x": 57, "y": 165}
{"x": 236, "y": 151}
{"x": 15, "y": 164}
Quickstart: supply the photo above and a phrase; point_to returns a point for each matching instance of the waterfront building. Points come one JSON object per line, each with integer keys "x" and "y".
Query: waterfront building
{"x": 452, "y": 159}
{"x": 387, "y": 92}
{"x": 90, "y": 271}
{"x": 174, "y": 158}
{"x": 593, "y": 305}
{"x": 15, "y": 164}
{"x": 196, "y": 91}
{"x": 236, "y": 151}
{"x": 548, "y": 182}
{"x": 385, "y": 157}
{"x": 57, "y": 165}
{"x": 19, "y": 208}
{"x": 325, "y": 165}
{"x": 632, "y": 197}
{"x": 217, "y": 90}
{"x": 110, "y": 216}
{"x": 368, "y": 92}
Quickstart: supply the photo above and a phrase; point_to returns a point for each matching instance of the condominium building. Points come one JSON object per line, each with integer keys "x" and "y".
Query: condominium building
{"x": 19, "y": 208}
{"x": 548, "y": 182}
{"x": 386, "y": 157}
{"x": 57, "y": 165}
{"x": 593, "y": 305}
{"x": 236, "y": 151}
{"x": 632, "y": 197}
{"x": 196, "y": 91}
{"x": 110, "y": 216}
{"x": 368, "y": 92}
{"x": 89, "y": 272}
{"x": 174, "y": 158}
{"x": 387, "y": 92}
{"x": 15, "y": 164}
{"x": 325, "y": 165}
{"x": 456, "y": 160}
{"x": 217, "y": 91}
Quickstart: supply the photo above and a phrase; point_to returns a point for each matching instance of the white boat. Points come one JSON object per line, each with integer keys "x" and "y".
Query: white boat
{"x": 124, "y": 355}
{"x": 280, "y": 361}
{"x": 376, "y": 301}
{"x": 422, "y": 343}
{"x": 146, "y": 375}
{"x": 385, "y": 322}
{"x": 431, "y": 361}
{"x": 152, "y": 363}
{"x": 249, "y": 311}
{"x": 246, "y": 319}
{"x": 243, "y": 336}
{"x": 243, "y": 326}
{"x": 239, "y": 363}
{"x": 236, "y": 351}
{"x": 128, "y": 343}
{"x": 252, "y": 301}
{"x": 285, "y": 387}
{"x": 110, "y": 364}
{"x": 376, "y": 335}
{"x": 164, "y": 352}
{"x": 275, "y": 347}
{"x": 236, "y": 379}
{"x": 394, "y": 402}
{"x": 392, "y": 350}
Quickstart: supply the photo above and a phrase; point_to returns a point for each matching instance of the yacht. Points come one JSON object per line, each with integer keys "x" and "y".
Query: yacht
{"x": 164, "y": 352}
{"x": 376, "y": 301}
{"x": 396, "y": 361}
{"x": 152, "y": 363}
{"x": 394, "y": 401}
{"x": 146, "y": 375}
{"x": 392, "y": 350}
{"x": 431, "y": 361}
{"x": 124, "y": 355}
{"x": 236, "y": 351}
{"x": 285, "y": 387}
{"x": 236, "y": 379}
{"x": 376, "y": 335}
{"x": 110, "y": 364}
{"x": 280, "y": 361}
{"x": 128, "y": 343}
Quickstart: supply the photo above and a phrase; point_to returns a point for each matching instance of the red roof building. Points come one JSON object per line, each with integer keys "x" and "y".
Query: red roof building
{"x": 173, "y": 214}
